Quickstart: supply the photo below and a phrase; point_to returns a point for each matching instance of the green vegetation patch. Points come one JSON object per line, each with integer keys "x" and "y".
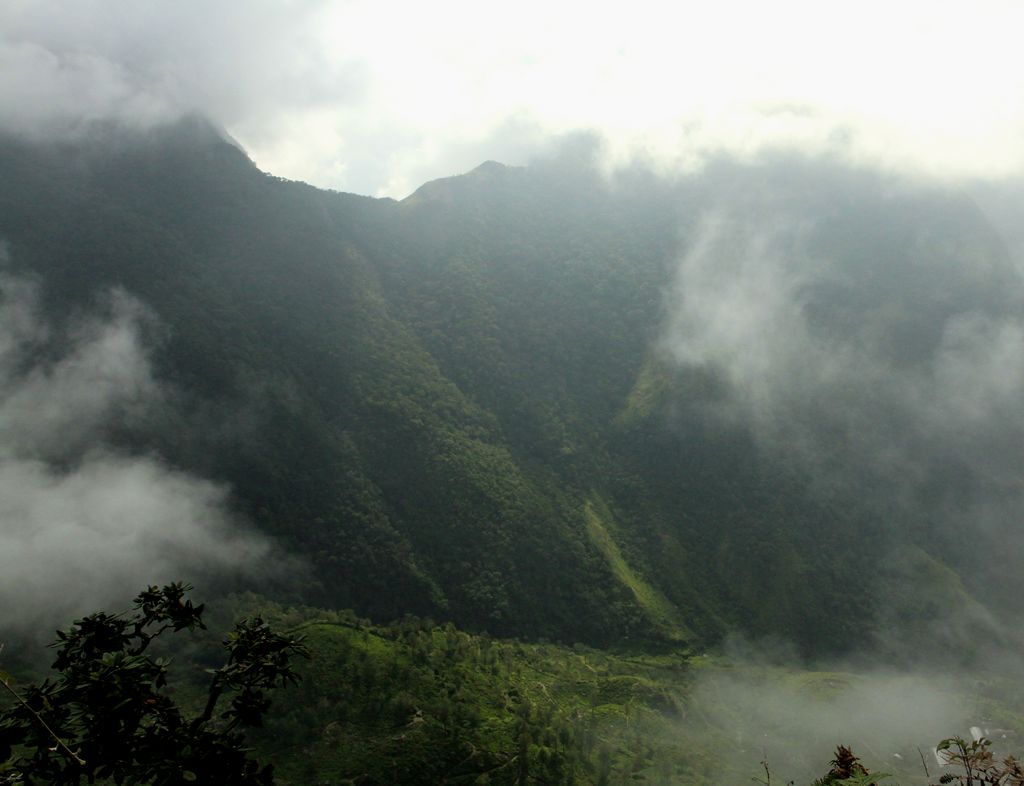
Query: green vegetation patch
{"x": 656, "y": 606}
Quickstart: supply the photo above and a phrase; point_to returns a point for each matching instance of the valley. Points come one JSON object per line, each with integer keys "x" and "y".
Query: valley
{"x": 565, "y": 477}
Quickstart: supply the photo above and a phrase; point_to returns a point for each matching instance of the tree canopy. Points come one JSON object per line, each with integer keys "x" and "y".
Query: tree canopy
{"x": 107, "y": 715}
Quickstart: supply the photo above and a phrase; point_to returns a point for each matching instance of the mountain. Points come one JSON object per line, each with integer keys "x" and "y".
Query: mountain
{"x": 544, "y": 403}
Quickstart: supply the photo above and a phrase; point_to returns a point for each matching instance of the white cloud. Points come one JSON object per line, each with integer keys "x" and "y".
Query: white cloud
{"x": 881, "y": 374}
{"x": 74, "y": 541}
{"x": 82, "y": 526}
{"x": 377, "y": 96}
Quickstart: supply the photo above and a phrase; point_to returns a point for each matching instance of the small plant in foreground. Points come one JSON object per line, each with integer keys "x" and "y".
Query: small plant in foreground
{"x": 848, "y": 771}
{"x": 979, "y": 765}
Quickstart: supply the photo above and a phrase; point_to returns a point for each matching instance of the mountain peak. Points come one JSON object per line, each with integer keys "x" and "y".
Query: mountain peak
{"x": 489, "y": 167}
{"x": 445, "y": 188}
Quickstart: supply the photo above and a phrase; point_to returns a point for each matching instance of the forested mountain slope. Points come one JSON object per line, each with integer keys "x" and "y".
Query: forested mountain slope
{"x": 499, "y": 402}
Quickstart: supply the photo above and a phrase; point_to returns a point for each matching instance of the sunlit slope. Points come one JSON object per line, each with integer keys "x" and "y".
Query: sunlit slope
{"x": 414, "y": 702}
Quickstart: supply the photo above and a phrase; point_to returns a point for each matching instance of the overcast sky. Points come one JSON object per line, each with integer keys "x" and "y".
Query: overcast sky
{"x": 376, "y": 97}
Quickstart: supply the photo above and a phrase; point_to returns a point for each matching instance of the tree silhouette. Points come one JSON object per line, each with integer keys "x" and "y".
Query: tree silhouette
{"x": 108, "y": 716}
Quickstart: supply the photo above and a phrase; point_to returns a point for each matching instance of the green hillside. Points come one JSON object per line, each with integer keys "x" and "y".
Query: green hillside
{"x": 416, "y": 702}
{"x": 458, "y": 406}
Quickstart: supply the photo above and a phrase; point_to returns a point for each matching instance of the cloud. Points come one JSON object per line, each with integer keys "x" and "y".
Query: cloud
{"x": 813, "y": 330}
{"x": 60, "y": 407}
{"x": 76, "y": 540}
{"x": 793, "y": 719}
{"x": 377, "y": 97}
{"x": 143, "y": 63}
{"x": 83, "y": 525}
{"x": 870, "y": 338}
{"x": 53, "y": 94}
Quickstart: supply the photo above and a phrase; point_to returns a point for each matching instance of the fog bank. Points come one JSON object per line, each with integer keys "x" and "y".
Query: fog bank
{"x": 82, "y": 524}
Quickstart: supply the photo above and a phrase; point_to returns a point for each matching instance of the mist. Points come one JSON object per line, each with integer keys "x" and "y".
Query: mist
{"x": 809, "y": 344}
{"x": 792, "y": 721}
{"x": 342, "y": 96}
{"x": 873, "y": 347}
{"x": 83, "y": 524}
{"x": 866, "y": 340}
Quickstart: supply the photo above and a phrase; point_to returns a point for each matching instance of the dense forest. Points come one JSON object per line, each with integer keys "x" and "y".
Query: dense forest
{"x": 308, "y": 696}
{"x": 539, "y": 513}
{"x": 478, "y": 404}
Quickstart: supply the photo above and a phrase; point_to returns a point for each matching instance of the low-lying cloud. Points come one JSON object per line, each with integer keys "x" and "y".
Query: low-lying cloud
{"x": 811, "y": 342}
{"x": 82, "y": 524}
{"x": 867, "y": 339}
{"x": 793, "y": 721}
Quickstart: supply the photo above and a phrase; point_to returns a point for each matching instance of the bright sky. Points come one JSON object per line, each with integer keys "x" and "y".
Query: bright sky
{"x": 377, "y": 97}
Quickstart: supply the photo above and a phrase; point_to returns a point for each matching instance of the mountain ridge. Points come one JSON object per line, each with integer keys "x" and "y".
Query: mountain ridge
{"x": 437, "y": 388}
